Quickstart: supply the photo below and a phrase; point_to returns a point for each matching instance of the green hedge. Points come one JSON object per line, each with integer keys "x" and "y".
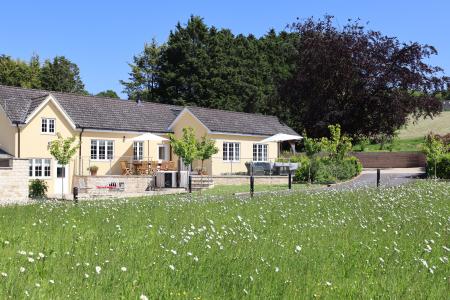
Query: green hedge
{"x": 442, "y": 167}
{"x": 326, "y": 170}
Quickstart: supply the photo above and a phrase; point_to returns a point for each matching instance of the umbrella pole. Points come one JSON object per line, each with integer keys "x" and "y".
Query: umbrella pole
{"x": 148, "y": 157}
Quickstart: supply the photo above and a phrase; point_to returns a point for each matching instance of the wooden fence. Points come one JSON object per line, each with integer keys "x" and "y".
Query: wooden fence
{"x": 391, "y": 159}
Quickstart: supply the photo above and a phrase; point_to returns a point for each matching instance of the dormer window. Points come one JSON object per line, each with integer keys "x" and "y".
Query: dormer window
{"x": 48, "y": 126}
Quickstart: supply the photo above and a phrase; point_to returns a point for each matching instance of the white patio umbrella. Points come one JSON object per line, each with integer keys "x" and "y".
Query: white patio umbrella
{"x": 283, "y": 137}
{"x": 148, "y": 137}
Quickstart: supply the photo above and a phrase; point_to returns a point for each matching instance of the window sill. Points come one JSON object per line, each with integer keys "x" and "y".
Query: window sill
{"x": 48, "y": 133}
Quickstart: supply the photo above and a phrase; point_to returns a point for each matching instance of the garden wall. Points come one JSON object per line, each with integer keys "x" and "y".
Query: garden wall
{"x": 391, "y": 159}
{"x": 14, "y": 182}
{"x": 240, "y": 180}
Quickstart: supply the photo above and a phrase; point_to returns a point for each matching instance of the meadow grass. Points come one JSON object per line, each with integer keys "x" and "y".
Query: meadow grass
{"x": 389, "y": 243}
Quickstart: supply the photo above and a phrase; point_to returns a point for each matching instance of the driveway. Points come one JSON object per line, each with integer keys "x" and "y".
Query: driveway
{"x": 389, "y": 178}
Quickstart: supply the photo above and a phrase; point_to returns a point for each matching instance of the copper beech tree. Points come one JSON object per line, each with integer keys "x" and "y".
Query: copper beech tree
{"x": 368, "y": 82}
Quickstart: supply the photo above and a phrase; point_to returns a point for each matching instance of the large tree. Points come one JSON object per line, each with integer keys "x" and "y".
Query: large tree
{"x": 144, "y": 78}
{"x": 61, "y": 75}
{"x": 367, "y": 82}
{"x": 15, "y": 72}
{"x": 108, "y": 94}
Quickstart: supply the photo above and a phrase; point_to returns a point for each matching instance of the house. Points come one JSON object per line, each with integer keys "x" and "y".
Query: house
{"x": 30, "y": 119}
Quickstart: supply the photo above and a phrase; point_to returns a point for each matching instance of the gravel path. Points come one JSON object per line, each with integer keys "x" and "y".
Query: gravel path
{"x": 389, "y": 178}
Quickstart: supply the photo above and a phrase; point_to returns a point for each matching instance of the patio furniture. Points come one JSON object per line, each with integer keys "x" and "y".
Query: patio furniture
{"x": 283, "y": 168}
{"x": 259, "y": 168}
{"x": 143, "y": 168}
{"x": 172, "y": 166}
{"x": 153, "y": 167}
{"x": 125, "y": 169}
{"x": 164, "y": 165}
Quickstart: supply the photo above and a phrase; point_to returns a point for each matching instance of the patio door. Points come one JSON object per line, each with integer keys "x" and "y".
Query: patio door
{"x": 62, "y": 179}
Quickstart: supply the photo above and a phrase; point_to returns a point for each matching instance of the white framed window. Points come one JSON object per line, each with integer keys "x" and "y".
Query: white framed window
{"x": 163, "y": 152}
{"x": 40, "y": 168}
{"x": 138, "y": 150}
{"x": 259, "y": 152}
{"x": 102, "y": 149}
{"x": 48, "y": 126}
{"x": 231, "y": 151}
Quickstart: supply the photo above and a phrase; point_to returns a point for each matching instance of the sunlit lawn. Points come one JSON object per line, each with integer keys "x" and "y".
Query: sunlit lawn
{"x": 391, "y": 243}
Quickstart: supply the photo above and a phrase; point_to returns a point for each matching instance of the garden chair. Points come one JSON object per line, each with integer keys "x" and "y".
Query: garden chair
{"x": 153, "y": 167}
{"x": 125, "y": 169}
{"x": 143, "y": 168}
{"x": 164, "y": 165}
{"x": 171, "y": 166}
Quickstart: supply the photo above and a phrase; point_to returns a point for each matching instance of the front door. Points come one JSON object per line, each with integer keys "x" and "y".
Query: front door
{"x": 62, "y": 179}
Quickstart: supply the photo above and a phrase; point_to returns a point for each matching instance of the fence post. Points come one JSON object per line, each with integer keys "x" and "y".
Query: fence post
{"x": 378, "y": 177}
{"x": 190, "y": 183}
{"x": 290, "y": 179}
{"x": 252, "y": 185}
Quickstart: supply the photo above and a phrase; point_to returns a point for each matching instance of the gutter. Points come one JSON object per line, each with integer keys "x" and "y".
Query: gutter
{"x": 80, "y": 172}
{"x": 18, "y": 139}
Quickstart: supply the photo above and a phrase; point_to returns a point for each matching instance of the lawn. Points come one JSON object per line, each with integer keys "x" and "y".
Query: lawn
{"x": 391, "y": 243}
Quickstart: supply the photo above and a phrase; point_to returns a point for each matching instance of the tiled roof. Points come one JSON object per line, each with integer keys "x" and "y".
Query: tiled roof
{"x": 124, "y": 115}
{"x": 239, "y": 122}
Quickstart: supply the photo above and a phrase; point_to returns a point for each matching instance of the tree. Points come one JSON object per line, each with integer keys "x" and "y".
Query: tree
{"x": 144, "y": 77}
{"x": 108, "y": 94}
{"x": 206, "y": 148}
{"x": 434, "y": 148}
{"x": 63, "y": 150}
{"x": 19, "y": 73}
{"x": 61, "y": 75}
{"x": 367, "y": 82}
{"x": 337, "y": 145}
{"x": 186, "y": 146}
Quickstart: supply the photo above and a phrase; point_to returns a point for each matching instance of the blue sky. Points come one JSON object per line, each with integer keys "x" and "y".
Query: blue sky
{"x": 102, "y": 36}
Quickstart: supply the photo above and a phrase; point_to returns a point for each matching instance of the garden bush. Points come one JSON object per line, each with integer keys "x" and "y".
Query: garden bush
{"x": 326, "y": 170}
{"x": 442, "y": 167}
{"x": 38, "y": 189}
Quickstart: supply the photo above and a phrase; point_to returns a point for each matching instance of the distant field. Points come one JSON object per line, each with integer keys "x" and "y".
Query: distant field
{"x": 440, "y": 124}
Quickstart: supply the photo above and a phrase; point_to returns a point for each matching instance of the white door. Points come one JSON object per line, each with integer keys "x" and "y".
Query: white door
{"x": 62, "y": 179}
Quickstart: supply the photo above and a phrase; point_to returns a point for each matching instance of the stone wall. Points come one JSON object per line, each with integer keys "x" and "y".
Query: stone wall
{"x": 111, "y": 186}
{"x": 240, "y": 180}
{"x": 14, "y": 182}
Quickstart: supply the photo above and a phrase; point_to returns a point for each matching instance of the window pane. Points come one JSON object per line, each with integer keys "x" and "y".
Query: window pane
{"x": 60, "y": 172}
{"x": 225, "y": 151}
{"x": 47, "y": 167}
{"x": 38, "y": 168}
{"x": 44, "y": 125}
{"x": 231, "y": 151}
{"x": 94, "y": 149}
{"x": 237, "y": 154}
{"x": 30, "y": 168}
{"x": 255, "y": 152}
{"x": 51, "y": 125}
{"x": 101, "y": 150}
{"x": 110, "y": 154}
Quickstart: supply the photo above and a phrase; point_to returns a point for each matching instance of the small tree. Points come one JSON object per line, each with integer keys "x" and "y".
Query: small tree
{"x": 312, "y": 147}
{"x": 186, "y": 146}
{"x": 434, "y": 148}
{"x": 338, "y": 145}
{"x": 206, "y": 148}
{"x": 62, "y": 150}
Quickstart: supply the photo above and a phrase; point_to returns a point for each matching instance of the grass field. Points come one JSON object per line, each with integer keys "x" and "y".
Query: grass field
{"x": 440, "y": 125}
{"x": 412, "y": 137}
{"x": 390, "y": 243}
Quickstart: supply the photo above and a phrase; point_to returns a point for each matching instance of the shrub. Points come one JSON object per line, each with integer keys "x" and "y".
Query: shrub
{"x": 326, "y": 170}
{"x": 37, "y": 189}
{"x": 442, "y": 167}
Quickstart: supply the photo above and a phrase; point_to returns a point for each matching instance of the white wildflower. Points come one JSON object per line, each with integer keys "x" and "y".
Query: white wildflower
{"x": 4, "y": 274}
{"x": 172, "y": 267}
{"x": 30, "y": 259}
{"x": 277, "y": 269}
{"x": 51, "y": 281}
{"x": 123, "y": 269}
{"x": 22, "y": 269}
{"x": 328, "y": 283}
{"x": 98, "y": 269}
{"x": 143, "y": 297}
{"x": 298, "y": 248}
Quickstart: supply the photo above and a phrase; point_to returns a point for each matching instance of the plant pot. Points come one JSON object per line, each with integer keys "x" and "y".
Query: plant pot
{"x": 93, "y": 173}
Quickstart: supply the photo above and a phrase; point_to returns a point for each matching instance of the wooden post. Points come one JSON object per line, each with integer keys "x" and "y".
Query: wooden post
{"x": 252, "y": 185}
{"x": 290, "y": 179}
{"x": 190, "y": 183}
{"x": 378, "y": 177}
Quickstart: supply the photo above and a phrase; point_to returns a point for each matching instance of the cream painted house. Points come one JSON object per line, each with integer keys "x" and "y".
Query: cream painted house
{"x": 30, "y": 120}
